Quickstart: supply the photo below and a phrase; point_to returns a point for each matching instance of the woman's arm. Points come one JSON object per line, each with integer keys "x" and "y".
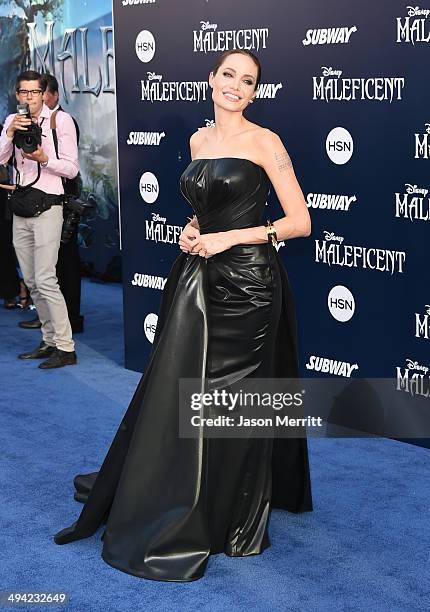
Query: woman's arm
{"x": 275, "y": 160}
{"x": 277, "y": 163}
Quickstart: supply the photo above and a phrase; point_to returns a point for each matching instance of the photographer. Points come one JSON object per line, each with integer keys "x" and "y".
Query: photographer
{"x": 69, "y": 262}
{"x": 37, "y": 204}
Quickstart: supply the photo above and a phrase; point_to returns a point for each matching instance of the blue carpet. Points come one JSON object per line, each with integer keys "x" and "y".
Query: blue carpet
{"x": 365, "y": 546}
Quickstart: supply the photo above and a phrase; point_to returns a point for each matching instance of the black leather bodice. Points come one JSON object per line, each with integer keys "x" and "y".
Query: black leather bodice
{"x": 226, "y": 192}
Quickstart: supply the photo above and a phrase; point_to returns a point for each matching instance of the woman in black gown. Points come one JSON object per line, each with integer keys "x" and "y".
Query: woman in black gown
{"x": 227, "y": 313}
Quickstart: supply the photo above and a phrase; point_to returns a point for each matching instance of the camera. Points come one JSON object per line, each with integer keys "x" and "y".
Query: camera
{"x": 27, "y": 140}
{"x": 74, "y": 209}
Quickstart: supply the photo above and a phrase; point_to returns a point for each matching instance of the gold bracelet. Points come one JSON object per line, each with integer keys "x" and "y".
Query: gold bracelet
{"x": 271, "y": 233}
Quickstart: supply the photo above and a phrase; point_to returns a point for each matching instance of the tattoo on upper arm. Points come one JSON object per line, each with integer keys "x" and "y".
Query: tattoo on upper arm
{"x": 284, "y": 161}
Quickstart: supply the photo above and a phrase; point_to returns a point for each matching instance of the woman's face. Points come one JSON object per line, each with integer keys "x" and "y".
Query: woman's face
{"x": 233, "y": 85}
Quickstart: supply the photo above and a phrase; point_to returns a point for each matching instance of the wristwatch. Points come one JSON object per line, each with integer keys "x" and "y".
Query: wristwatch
{"x": 44, "y": 164}
{"x": 271, "y": 233}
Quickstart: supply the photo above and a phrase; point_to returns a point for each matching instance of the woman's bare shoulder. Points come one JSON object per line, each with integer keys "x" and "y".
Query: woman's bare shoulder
{"x": 264, "y": 133}
{"x": 199, "y": 135}
{"x": 197, "y": 139}
{"x": 264, "y": 144}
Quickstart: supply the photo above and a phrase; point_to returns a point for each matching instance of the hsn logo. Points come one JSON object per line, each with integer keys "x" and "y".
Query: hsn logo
{"x": 148, "y": 187}
{"x": 149, "y": 326}
{"x": 341, "y": 303}
{"x": 145, "y": 46}
{"x": 339, "y": 145}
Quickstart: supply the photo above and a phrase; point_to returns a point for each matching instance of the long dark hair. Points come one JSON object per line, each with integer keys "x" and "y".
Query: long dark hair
{"x": 254, "y": 58}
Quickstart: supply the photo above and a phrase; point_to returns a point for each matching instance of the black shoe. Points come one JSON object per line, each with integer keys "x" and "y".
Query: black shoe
{"x": 58, "y": 359}
{"x": 31, "y": 324}
{"x": 42, "y": 351}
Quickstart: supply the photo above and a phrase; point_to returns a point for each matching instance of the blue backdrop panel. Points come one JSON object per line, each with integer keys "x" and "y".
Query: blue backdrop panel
{"x": 358, "y": 68}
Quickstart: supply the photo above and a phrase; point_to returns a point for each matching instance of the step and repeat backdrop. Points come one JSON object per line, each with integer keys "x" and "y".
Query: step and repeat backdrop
{"x": 346, "y": 88}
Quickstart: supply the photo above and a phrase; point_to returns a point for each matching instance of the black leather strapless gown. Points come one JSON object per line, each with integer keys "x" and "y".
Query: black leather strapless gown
{"x": 169, "y": 502}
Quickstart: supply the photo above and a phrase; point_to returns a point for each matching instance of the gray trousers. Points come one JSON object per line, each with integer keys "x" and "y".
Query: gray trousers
{"x": 36, "y": 241}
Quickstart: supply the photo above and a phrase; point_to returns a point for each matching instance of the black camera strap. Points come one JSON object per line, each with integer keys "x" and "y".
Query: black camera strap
{"x": 18, "y": 174}
{"x": 72, "y": 187}
{"x": 53, "y": 126}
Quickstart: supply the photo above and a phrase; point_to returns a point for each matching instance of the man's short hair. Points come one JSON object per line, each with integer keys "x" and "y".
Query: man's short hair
{"x": 51, "y": 83}
{"x": 30, "y": 75}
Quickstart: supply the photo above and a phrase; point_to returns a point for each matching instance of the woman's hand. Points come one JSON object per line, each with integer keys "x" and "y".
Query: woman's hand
{"x": 210, "y": 244}
{"x": 188, "y": 237}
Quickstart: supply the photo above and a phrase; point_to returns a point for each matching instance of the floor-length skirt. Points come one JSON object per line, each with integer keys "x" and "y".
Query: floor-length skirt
{"x": 168, "y": 502}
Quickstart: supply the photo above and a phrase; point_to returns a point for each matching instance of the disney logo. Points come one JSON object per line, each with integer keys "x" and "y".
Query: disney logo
{"x": 206, "y": 25}
{"x": 329, "y": 71}
{"x": 329, "y": 236}
{"x": 415, "y": 189}
{"x": 414, "y": 11}
{"x": 152, "y": 76}
{"x": 414, "y": 365}
{"x": 157, "y": 217}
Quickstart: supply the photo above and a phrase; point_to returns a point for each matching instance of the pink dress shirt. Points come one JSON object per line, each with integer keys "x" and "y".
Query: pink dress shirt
{"x": 50, "y": 176}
